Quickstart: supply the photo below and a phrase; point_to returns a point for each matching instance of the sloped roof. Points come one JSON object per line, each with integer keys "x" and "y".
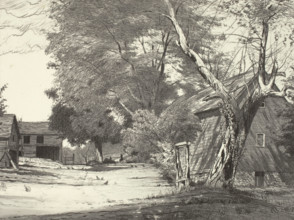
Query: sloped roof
{"x": 205, "y": 100}
{"x": 6, "y": 122}
{"x": 41, "y": 128}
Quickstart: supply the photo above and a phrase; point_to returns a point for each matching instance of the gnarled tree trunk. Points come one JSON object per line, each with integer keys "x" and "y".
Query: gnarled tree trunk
{"x": 98, "y": 146}
{"x": 235, "y": 132}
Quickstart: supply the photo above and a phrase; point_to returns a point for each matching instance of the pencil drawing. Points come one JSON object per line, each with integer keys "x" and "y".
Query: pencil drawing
{"x": 146, "y": 109}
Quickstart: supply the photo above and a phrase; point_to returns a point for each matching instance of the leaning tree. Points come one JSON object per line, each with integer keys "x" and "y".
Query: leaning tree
{"x": 261, "y": 20}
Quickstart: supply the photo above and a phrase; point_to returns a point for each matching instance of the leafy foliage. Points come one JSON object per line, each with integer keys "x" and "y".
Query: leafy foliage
{"x": 285, "y": 136}
{"x": 115, "y": 57}
{"x": 151, "y": 134}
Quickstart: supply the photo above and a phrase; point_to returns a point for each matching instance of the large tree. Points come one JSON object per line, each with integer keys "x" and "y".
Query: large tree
{"x": 115, "y": 57}
{"x": 260, "y": 19}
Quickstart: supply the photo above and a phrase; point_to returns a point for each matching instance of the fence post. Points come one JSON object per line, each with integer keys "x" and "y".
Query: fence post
{"x": 182, "y": 177}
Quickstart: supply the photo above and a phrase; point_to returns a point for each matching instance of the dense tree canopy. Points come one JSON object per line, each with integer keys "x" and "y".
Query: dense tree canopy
{"x": 115, "y": 57}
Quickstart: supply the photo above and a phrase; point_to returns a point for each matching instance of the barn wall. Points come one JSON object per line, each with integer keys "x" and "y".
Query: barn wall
{"x": 30, "y": 150}
{"x": 204, "y": 150}
{"x": 14, "y": 143}
{"x": 271, "y": 159}
{"x": 14, "y": 138}
{"x": 4, "y": 160}
{"x": 247, "y": 179}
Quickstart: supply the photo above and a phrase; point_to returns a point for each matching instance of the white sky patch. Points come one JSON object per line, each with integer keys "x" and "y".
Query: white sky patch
{"x": 23, "y": 63}
{"x": 27, "y": 78}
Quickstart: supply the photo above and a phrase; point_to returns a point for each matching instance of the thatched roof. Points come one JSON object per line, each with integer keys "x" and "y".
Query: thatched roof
{"x": 41, "y": 128}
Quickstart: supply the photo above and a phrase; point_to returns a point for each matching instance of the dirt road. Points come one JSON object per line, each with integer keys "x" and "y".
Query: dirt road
{"x": 39, "y": 191}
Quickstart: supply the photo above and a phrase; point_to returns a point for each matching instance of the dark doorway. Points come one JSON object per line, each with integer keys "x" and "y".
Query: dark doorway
{"x": 47, "y": 152}
{"x": 259, "y": 179}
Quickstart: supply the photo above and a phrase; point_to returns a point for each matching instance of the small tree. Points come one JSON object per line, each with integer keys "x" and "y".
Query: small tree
{"x": 2, "y": 100}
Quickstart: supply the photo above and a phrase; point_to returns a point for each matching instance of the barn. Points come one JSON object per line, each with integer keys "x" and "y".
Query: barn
{"x": 9, "y": 141}
{"x": 38, "y": 140}
{"x": 263, "y": 163}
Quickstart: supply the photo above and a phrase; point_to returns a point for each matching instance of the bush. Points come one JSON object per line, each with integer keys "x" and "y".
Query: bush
{"x": 152, "y": 137}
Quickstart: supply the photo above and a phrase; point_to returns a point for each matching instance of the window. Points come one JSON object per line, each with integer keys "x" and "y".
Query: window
{"x": 260, "y": 140}
{"x": 26, "y": 139}
{"x": 40, "y": 139}
{"x": 262, "y": 105}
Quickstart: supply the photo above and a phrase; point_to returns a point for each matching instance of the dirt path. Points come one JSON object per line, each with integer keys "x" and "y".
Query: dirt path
{"x": 39, "y": 191}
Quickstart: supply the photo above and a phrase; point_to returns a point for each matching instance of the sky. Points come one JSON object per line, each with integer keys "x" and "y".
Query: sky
{"x": 23, "y": 63}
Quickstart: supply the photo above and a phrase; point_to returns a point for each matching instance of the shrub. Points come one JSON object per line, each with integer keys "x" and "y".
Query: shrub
{"x": 152, "y": 138}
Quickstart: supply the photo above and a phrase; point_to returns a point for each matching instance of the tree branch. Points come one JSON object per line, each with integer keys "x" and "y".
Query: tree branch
{"x": 262, "y": 55}
{"x": 201, "y": 67}
{"x": 287, "y": 93}
{"x": 134, "y": 97}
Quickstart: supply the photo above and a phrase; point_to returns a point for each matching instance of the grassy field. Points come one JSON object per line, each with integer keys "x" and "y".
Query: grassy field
{"x": 127, "y": 191}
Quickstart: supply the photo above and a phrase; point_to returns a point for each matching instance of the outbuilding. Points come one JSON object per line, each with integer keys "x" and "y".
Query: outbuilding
{"x": 38, "y": 140}
{"x": 9, "y": 141}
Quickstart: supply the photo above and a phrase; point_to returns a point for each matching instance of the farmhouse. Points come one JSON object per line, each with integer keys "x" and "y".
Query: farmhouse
{"x": 9, "y": 141}
{"x": 37, "y": 140}
{"x": 263, "y": 162}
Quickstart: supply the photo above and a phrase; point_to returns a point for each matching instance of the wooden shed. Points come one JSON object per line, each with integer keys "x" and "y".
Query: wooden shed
{"x": 9, "y": 141}
{"x": 38, "y": 140}
{"x": 263, "y": 163}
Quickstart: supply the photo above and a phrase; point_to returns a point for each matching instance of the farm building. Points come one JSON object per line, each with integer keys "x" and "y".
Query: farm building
{"x": 9, "y": 141}
{"x": 263, "y": 162}
{"x": 37, "y": 140}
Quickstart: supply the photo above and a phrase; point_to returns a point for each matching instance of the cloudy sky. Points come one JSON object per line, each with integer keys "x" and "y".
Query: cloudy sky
{"x": 23, "y": 27}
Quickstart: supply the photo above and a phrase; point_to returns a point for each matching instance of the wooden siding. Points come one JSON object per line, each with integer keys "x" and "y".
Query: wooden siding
{"x": 49, "y": 140}
{"x": 12, "y": 145}
{"x": 3, "y": 148}
{"x": 203, "y": 151}
{"x": 30, "y": 150}
{"x": 270, "y": 159}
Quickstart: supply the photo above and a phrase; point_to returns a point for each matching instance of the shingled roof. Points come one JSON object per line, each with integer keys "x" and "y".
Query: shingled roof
{"x": 206, "y": 99}
{"x": 41, "y": 128}
{"x": 6, "y": 122}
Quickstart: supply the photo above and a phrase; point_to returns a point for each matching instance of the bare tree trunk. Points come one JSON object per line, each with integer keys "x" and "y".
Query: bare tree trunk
{"x": 98, "y": 145}
{"x": 224, "y": 169}
{"x": 236, "y": 130}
